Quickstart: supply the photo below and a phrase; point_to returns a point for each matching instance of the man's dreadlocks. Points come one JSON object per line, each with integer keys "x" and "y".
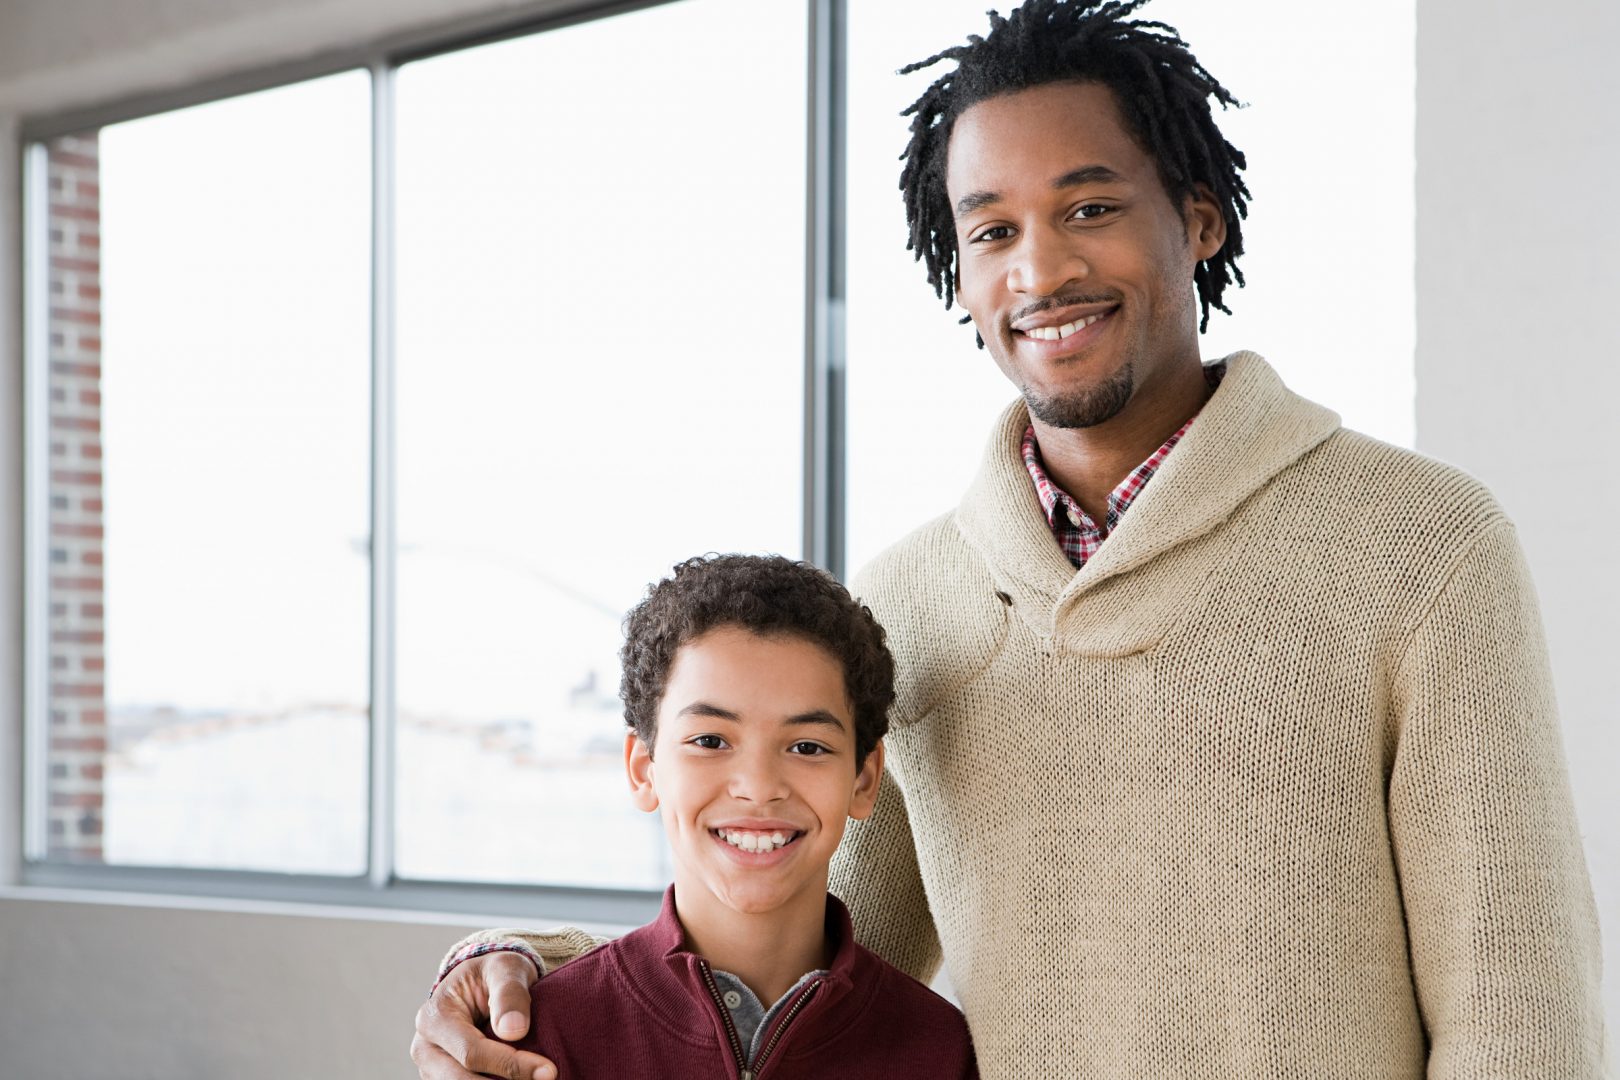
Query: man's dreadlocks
{"x": 1163, "y": 94}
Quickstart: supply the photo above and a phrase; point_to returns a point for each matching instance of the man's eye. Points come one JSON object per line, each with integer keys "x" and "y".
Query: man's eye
{"x": 994, "y": 232}
{"x": 708, "y": 742}
{"x": 1091, "y": 211}
{"x": 809, "y": 748}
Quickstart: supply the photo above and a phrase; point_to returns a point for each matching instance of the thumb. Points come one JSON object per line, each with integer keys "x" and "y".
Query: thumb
{"x": 510, "y": 1024}
{"x": 509, "y": 998}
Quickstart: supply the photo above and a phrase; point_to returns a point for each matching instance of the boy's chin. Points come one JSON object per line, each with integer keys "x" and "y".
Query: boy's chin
{"x": 761, "y": 897}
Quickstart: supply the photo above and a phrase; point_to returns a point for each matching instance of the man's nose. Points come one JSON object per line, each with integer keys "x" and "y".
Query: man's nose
{"x": 1044, "y": 261}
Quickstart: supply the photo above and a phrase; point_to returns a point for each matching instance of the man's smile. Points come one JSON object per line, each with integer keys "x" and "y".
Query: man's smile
{"x": 1061, "y": 331}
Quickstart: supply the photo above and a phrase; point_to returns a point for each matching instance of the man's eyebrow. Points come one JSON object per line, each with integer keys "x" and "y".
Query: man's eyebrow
{"x": 976, "y": 201}
{"x": 1086, "y": 174}
{"x": 817, "y": 716}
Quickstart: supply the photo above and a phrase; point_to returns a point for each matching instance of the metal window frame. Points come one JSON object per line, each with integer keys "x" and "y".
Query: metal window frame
{"x": 36, "y": 253}
{"x": 823, "y": 420}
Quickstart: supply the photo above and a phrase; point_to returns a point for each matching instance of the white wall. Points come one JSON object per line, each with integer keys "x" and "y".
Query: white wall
{"x": 111, "y": 989}
{"x": 1516, "y": 380}
{"x": 1518, "y": 336}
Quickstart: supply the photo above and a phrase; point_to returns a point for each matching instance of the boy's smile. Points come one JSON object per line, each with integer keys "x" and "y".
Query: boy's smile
{"x": 754, "y": 772}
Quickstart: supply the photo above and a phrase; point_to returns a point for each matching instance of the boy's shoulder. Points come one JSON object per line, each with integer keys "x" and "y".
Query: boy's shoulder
{"x": 598, "y": 989}
{"x": 598, "y": 971}
{"x": 898, "y": 993}
{"x": 899, "y": 1026}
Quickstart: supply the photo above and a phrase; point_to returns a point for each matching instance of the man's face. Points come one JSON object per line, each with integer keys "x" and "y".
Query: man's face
{"x": 1075, "y": 265}
{"x": 753, "y": 768}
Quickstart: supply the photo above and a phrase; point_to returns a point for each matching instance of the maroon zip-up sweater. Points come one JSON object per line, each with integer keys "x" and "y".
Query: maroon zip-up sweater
{"x": 646, "y": 1006}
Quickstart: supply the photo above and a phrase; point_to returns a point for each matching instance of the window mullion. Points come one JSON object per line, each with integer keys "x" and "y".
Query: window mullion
{"x": 36, "y": 495}
{"x": 824, "y": 487}
{"x": 380, "y": 837}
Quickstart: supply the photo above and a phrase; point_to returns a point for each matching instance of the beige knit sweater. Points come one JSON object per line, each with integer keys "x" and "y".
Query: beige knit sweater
{"x": 1273, "y": 787}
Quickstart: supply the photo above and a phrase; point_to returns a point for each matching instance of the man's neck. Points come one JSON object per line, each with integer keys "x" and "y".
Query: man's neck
{"x": 768, "y": 951}
{"x": 1090, "y": 462}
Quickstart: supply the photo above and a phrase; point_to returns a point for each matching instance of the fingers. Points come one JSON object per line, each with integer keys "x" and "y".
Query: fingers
{"x": 448, "y": 1043}
{"x": 508, "y": 978}
{"x": 433, "y": 1063}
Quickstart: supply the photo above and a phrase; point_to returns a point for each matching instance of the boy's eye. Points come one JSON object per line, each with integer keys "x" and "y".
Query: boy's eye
{"x": 1092, "y": 211}
{"x": 707, "y": 742}
{"x": 808, "y": 748}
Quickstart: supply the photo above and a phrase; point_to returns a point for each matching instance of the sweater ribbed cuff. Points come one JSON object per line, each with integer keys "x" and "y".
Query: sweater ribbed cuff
{"x": 482, "y": 948}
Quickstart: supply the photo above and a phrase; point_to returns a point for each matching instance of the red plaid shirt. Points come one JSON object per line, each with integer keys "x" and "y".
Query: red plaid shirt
{"x": 1072, "y": 527}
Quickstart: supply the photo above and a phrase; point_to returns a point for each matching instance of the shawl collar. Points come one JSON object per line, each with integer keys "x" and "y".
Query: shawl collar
{"x": 1252, "y": 428}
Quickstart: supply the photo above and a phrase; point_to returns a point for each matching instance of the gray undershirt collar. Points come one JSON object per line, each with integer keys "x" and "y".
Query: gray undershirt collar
{"x": 750, "y": 1017}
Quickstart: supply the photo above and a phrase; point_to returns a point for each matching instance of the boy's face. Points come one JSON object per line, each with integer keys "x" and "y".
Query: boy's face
{"x": 753, "y": 768}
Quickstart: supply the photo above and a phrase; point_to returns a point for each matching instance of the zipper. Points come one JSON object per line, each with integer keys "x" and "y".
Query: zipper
{"x": 776, "y": 1036}
{"x": 743, "y": 1072}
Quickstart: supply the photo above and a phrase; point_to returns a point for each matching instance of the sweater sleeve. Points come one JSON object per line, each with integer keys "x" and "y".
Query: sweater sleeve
{"x": 549, "y": 949}
{"x": 1499, "y": 912}
{"x": 875, "y": 873}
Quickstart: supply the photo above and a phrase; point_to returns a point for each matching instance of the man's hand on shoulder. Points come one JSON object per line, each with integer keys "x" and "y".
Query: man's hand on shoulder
{"x": 450, "y": 1043}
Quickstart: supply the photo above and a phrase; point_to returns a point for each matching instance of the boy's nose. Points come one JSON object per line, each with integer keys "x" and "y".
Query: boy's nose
{"x": 758, "y": 780}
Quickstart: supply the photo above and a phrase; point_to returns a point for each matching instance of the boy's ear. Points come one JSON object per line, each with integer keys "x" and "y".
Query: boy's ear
{"x": 867, "y": 781}
{"x": 638, "y": 766}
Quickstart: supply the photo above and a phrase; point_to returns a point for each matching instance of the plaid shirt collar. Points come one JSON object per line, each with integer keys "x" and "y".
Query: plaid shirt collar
{"x": 1075, "y": 531}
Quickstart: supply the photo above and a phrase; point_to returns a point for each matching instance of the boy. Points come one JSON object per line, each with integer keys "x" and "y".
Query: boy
{"x": 757, "y": 692}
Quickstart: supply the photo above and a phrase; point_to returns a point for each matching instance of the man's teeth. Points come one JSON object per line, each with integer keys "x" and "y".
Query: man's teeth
{"x": 1057, "y": 333}
{"x": 749, "y": 840}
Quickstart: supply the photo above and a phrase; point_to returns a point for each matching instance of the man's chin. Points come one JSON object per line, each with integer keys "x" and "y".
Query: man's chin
{"x": 1084, "y": 407}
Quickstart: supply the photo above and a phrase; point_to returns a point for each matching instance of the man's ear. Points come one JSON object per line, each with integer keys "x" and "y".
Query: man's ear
{"x": 638, "y": 766}
{"x": 867, "y": 781}
{"x": 1206, "y": 223}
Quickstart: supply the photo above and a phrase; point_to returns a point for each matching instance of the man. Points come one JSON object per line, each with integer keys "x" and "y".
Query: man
{"x": 1225, "y": 735}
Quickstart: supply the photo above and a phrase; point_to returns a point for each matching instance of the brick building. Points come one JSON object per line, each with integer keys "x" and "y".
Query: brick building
{"x": 78, "y": 700}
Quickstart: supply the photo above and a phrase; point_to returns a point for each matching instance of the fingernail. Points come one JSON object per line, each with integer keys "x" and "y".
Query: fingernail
{"x": 509, "y": 1025}
{"x": 545, "y": 1072}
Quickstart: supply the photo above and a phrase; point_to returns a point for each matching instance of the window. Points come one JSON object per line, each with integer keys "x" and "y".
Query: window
{"x": 601, "y": 371}
{"x": 592, "y": 241}
{"x": 208, "y": 384}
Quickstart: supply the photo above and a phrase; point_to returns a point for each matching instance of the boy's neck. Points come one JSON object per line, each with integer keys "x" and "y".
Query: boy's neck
{"x": 768, "y": 951}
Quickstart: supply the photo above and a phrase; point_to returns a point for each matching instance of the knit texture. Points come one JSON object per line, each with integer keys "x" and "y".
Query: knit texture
{"x": 1272, "y": 787}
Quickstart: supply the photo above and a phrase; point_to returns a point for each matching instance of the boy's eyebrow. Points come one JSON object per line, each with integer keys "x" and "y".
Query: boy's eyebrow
{"x": 817, "y": 716}
{"x": 704, "y": 708}
{"x": 814, "y": 716}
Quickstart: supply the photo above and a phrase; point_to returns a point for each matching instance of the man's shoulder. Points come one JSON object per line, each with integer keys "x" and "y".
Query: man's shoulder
{"x": 915, "y": 556}
{"x": 930, "y": 569}
{"x": 940, "y": 610}
{"x": 1359, "y": 473}
{"x": 1357, "y": 458}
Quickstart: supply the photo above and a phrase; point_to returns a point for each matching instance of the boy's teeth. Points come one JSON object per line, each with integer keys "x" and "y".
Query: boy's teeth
{"x": 755, "y": 841}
